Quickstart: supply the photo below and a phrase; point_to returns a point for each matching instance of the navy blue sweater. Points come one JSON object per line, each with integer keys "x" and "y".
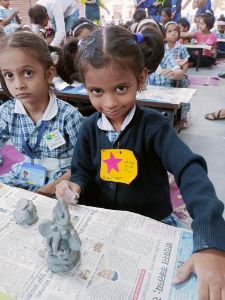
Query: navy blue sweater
{"x": 157, "y": 149}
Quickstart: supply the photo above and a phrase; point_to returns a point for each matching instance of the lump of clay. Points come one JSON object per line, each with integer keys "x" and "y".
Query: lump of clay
{"x": 25, "y": 212}
{"x": 63, "y": 241}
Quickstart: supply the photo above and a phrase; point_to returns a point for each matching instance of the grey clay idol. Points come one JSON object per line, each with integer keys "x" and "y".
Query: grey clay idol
{"x": 63, "y": 241}
{"x": 25, "y": 212}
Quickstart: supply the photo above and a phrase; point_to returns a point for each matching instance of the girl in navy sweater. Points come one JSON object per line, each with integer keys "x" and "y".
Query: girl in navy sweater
{"x": 123, "y": 152}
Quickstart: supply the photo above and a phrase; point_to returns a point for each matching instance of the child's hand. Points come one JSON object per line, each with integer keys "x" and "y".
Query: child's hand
{"x": 15, "y": 13}
{"x": 169, "y": 73}
{"x": 68, "y": 191}
{"x": 209, "y": 266}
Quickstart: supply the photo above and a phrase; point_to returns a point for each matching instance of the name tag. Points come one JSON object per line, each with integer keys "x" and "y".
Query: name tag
{"x": 33, "y": 174}
{"x": 54, "y": 139}
{"x": 118, "y": 165}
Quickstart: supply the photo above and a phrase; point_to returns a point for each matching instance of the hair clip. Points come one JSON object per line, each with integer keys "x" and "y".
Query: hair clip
{"x": 139, "y": 37}
{"x": 89, "y": 44}
{"x": 79, "y": 43}
{"x": 55, "y": 57}
{"x": 169, "y": 23}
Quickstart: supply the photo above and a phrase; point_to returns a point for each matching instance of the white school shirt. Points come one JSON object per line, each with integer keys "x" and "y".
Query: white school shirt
{"x": 58, "y": 10}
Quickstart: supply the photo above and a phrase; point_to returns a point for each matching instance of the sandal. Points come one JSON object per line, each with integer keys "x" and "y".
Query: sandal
{"x": 217, "y": 115}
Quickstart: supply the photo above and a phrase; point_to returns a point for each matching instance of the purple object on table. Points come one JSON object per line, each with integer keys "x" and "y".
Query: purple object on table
{"x": 10, "y": 156}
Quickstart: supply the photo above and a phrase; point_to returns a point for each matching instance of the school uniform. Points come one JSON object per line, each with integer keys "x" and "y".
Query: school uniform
{"x": 180, "y": 53}
{"x": 13, "y": 24}
{"x": 15, "y": 124}
{"x": 150, "y": 138}
{"x": 5, "y": 13}
{"x": 157, "y": 78}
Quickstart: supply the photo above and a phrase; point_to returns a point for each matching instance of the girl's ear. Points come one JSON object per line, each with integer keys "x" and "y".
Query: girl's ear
{"x": 50, "y": 74}
{"x": 142, "y": 79}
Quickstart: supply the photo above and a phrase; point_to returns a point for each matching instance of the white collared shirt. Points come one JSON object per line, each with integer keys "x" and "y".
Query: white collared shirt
{"x": 49, "y": 113}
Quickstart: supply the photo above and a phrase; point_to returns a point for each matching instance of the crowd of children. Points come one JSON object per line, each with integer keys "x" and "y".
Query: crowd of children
{"x": 66, "y": 154}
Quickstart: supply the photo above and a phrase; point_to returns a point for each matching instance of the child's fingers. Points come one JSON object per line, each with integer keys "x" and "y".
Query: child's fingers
{"x": 184, "y": 272}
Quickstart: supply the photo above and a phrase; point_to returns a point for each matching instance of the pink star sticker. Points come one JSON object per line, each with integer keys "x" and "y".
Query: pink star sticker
{"x": 112, "y": 163}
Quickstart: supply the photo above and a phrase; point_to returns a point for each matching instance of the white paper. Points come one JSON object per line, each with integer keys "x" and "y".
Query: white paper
{"x": 166, "y": 94}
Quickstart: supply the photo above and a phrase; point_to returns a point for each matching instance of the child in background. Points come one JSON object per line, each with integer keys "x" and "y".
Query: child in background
{"x": 173, "y": 46}
{"x": 166, "y": 15}
{"x": 204, "y": 36}
{"x": 220, "y": 34}
{"x": 123, "y": 137}
{"x": 180, "y": 54}
{"x": 168, "y": 71}
{"x": 38, "y": 124}
{"x": 9, "y": 17}
{"x": 220, "y": 31}
{"x": 139, "y": 15}
{"x": 184, "y": 25}
{"x": 82, "y": 28}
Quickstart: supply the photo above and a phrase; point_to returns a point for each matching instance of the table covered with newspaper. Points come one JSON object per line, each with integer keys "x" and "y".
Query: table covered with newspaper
{"x": 123, "y": 255}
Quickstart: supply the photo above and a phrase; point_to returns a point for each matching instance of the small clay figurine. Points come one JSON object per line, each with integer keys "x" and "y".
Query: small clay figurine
{"x": 25, "y": 212}
{"x": 63, "y": 241}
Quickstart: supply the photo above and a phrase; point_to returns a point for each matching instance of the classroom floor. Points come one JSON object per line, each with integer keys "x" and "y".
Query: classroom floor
{"x": 208, "y": 137}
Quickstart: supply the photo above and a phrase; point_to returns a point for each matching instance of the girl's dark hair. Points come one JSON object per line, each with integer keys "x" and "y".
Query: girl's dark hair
{"x": 139, "y": 15}
{"x": 185, "y": 23}
{"x": 37, "y": 14}
{"x": 112, "y": 44}
{"x": 81, "y": 24}
{"x": 221, "y": 18}
{"x": 208, "y": 19}
{"x": 30, "y": 43}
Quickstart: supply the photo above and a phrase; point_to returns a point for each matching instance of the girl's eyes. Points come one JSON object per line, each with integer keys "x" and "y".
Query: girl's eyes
{"x": 8, "y": 75}
{"x": 28, "y": 73}
{"x": 121, "y": 89}
{"x": 97, "y": 92}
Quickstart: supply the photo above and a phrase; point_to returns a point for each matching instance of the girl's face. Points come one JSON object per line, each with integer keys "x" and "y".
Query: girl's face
{"x": 221, "y": 28}
{"x": 26, "y": 78}
{"x": 5, "y": 3}
{"x": 164, "y": 17}
{"x": 172, "y": 33}
{"x": 112, "y": 91}
{"x": 202, "y": 26}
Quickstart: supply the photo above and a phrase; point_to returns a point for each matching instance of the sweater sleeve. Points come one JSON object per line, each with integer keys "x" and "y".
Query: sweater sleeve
{"x": 190, "y": 172}
{"x": 82, "y": 170}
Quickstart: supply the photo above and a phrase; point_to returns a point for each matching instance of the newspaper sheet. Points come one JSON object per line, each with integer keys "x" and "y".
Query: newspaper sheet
{"x": 123, "y": 255}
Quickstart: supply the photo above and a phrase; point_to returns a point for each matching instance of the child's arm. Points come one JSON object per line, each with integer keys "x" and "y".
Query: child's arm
{"x": 209, "y": 266}
{"x": 139, "y": 3}
{"x": 7, "y": 20}
{"x": 49, "y": 189}
{"x": 173, "y": 74}
{"x": 188, "y": 34}
{"x": 185, "y": 67}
